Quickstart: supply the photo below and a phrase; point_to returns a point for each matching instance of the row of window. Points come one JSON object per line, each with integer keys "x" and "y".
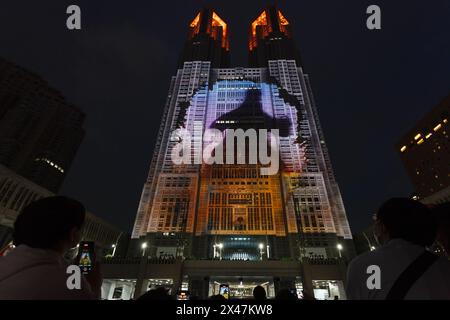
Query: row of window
{"x": 261, "y": 198}
{"x": 255, "y": 219}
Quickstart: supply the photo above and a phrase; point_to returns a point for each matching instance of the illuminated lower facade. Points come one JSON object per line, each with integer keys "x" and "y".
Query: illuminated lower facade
{"x": 272, "y": 198}
{"x": 129, "y": 278}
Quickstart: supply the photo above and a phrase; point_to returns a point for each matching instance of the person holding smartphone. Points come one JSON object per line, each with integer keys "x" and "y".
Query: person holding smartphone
{"x": 224, "y": 291}
{"x": 36, "y": 269}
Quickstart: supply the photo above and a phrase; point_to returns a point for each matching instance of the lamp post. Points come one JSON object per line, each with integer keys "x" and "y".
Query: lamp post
{"x": 220, "y": 246}
{"x": 113, "y": 246}
{"x": 261, "y": 247}
{"x": 339, "y": 247}
{"x": 143, "y": 247}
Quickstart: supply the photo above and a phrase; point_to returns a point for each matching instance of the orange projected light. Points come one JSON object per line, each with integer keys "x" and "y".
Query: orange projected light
{"x": 196, "y": 21}
{"x": 284, "y": 24}
{"x": 215, "y": 24}
{"x": 218, "y": 22}
{"x": 260, "y": 21}
{"x": 283, "y": 20}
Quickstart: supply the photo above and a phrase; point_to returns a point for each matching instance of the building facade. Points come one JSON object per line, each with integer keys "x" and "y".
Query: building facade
{"x": 40, "y": 132}
{"x": 425, "y": 153}
{"x": 241, "y": 181}
{"x": 188, "y": 208}
{"x": 16, "y": 192}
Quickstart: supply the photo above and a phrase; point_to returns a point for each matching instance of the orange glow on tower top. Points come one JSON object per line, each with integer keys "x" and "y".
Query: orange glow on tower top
{"x": 215, "y": 27}
{"x": 267, "y": 26}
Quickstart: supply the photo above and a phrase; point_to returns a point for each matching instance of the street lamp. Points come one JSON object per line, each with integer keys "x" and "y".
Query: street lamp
{"x": 143, "y": 247}
{"x": 372, "y": 248}
{"x": 220, "y": 246}
{"x": 339, "y": 247}
{"x": 261, "y": 247}
{"x": 114, "y": 250}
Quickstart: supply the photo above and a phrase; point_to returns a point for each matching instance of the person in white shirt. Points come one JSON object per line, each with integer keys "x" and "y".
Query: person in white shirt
{"x": 406, "y": 227}
{"x": 36, "y": 269}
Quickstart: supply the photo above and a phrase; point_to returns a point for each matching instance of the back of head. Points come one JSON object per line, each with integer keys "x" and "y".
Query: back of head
{"x": 159, "y": 293}
{"x": 442, "y": 215}
{"x": 47, "y": 222}
{"x": 409, "y": 220}
{"x": 285, "y": 294}
{"x": 217, "y": 297}
{"x": 259, "y": 293}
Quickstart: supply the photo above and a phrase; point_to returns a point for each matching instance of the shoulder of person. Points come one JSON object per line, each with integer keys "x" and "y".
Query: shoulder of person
{"x": 443, "y": 263}
{"x": 364, "y": 259}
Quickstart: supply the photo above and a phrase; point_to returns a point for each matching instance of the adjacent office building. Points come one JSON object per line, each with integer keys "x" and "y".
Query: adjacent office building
{"x": 224, "y": 210}
{"x": 40, "y": 132}
{"x": 425, "y": 152}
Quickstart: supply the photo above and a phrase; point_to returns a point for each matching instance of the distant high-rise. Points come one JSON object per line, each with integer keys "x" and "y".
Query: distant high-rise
{"x": 425, "y": 152}
{"x": 188, "y": 209}
{"x": 40, "y": 132}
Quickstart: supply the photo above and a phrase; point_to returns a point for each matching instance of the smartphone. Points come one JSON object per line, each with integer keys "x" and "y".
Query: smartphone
{"x": 183, "y": 295}
{"x": 86, "y": 256}
{"x": 224, "y": 290}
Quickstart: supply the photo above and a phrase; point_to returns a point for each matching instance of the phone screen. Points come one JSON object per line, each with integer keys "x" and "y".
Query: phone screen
{"x": 225, "y": 291}
{"x": 86, "y": 257}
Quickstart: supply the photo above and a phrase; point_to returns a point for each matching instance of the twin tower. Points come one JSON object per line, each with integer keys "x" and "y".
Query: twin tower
{"x": 270, "y": 38}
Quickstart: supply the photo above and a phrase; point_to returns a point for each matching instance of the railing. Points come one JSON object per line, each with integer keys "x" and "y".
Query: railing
{"x": 119, "y": 260}
{"x": 321, "y": 261}
{"x": 137, "y": 260}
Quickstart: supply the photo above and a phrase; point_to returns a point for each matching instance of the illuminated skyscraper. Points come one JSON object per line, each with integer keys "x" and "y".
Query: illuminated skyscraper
{"x": 424, "y": 151}
{"x": 234, "y": 210}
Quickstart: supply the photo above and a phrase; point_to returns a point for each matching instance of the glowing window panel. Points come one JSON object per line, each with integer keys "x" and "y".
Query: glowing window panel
{"x": 403, "y": 149}
{"x": 283, "y": 20}
{"x": 439, "y": 126}
{"x": 196, "y": 21}
{"x": 417, "y": 137}
{"x": 420, "y": 141}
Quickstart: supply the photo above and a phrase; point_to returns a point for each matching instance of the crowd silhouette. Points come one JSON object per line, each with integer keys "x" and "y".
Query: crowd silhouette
{"x": 408, "y": 230}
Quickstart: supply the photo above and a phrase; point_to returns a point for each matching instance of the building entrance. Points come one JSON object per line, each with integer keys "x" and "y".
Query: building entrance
{"x": 242, "y": 288}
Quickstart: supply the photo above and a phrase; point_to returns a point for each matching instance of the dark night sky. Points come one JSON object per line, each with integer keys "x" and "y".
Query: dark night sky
{"x": 370, "y": 86}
